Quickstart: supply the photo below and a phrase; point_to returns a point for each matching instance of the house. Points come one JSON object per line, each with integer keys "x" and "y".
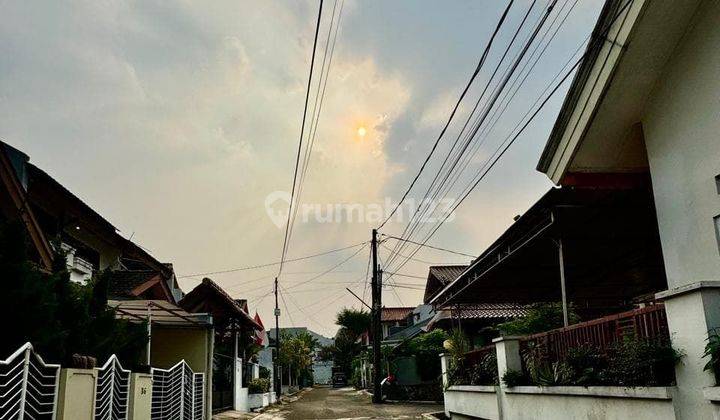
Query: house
{"x": 595, "y": 248}
{"x": 647, "y": 104}
{"x": 89, "y": 241}
{"x": 234, "y": 333}
{"x": 140, "y": 288}
{"x": 414, "y": 324}
{"x": 440, "y": 276}
{"x": 393, "y": 319}
{"x": 14, "y": 205}
{"x": 642, "y": 109}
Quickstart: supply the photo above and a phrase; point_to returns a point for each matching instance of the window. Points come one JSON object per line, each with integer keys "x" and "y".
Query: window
{"x": 716, "y": 219}
{"x": 717, "y": 183}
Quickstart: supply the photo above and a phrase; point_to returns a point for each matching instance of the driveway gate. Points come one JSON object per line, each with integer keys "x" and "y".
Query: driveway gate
{"x": 113, "y": 386}
{"x": 178, "y": 393}
{"x": 28, "y": 386}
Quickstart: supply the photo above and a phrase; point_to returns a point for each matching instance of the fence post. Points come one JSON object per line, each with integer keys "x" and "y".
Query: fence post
{"x": 508, "y": 355}
{"x": 444, "y": 365}
{"x": 23, "y": 392}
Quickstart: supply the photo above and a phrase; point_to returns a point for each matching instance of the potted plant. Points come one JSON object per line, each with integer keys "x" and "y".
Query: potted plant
{"x": 259, "y": 393}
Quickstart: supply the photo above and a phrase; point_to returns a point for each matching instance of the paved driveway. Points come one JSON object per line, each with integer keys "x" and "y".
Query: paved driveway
{"x": 343, "y": 403}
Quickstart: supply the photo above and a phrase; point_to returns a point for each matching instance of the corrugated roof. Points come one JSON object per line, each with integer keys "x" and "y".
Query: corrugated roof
{"x": 440, "y": 276}
{"x": 482, "y": 311}
{"x": 447, "y": 273}
{"x": 490, "y": 310}
{"x": 394, "y": 314}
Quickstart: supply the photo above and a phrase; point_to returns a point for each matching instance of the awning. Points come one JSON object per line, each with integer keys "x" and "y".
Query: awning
{"x": 611, "y": 254}
{"x": 492, "y": 312}
{"x": 159, "y": 312}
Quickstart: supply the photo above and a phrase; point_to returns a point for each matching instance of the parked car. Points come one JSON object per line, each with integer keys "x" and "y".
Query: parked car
{"x": 339, "y": 380}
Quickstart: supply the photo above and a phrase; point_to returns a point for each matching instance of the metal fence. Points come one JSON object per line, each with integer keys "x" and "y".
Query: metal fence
{"x": 28, "y": 386}
{"x": 649, "y": 322}
{"x": 178, "y": 393}
{"x": 112, "y": 395}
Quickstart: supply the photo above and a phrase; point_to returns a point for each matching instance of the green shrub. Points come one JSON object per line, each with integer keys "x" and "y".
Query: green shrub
{"x": 259, "y": 386}
{"x": 485, "y": 371}
{"x": 639, "y": 362}
{"x": 712, "y": 349}
{"x": 540, "y": 318}
{"x": 588, "y": 365}
{"x": 513, "y": 378}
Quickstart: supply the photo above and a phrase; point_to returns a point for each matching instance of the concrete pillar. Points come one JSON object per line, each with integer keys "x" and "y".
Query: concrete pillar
{"x": 76, "y": 394}
{"x": 444, "y": 367}
{"x": 140, "y": 403}
{"x": 240, "y": 394}
{"x": 508, "y": 355}
{"x": 692, "y": 311}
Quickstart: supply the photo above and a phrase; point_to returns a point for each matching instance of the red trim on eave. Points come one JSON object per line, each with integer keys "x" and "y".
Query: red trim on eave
{"x": 7, "y": 174}
{"x": 155, "y": 281}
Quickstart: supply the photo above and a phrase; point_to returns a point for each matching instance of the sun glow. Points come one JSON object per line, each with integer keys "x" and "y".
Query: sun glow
{"x": 361, "y": 131}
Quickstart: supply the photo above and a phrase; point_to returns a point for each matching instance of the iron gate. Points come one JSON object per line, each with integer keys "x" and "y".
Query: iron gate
{"x": 222, "y": 382}
{"x": 28, "y": 386}
{"x": 178, "y": 393}
{"x": 113, "y": 386}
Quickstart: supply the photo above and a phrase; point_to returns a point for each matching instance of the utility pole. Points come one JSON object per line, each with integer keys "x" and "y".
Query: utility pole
{"x": 376, "y": 286}
{"x": 278, "y": 372}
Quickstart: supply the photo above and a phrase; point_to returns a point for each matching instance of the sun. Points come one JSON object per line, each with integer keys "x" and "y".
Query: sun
{"x": 361, "y": 131}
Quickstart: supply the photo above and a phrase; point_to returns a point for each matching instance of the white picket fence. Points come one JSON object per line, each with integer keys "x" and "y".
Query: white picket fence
{"x": 113, "y": 389}
{"x": 28, "y": 386}
{"x": 178, "y": 393}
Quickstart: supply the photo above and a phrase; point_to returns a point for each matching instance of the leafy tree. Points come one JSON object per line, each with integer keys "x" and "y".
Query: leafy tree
{"x": 58, "y": 316}
{"x": 540, "y": 318}
{"x": 325, "y": 353}
{"x": 345, "y": 349}
{"x": 296, "y": 353}
{"x": 354, "y": 321}
{"x": 30, "y": 301}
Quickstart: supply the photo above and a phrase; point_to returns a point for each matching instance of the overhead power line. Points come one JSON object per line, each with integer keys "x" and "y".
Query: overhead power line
{"x": 318, "y": 104}
{"x": 253, "y": 267}
{"x": 452, "y": 113}
{"x": 511, "y": 138}
{"x": 429, "y": 246}
{"x": 300, "y": 142}
{"x": 515, "y": 62}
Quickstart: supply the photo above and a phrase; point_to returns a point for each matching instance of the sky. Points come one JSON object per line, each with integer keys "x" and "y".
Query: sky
{"x": 179, "y": 120}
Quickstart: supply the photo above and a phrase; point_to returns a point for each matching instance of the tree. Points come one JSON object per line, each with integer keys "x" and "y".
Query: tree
{"x": 59, "y": 317}
{"x": 346, "y": 348}
{"x": 355, "y": 321}
{"x": 540, "y": 318}
{"x": 296, "y": 353}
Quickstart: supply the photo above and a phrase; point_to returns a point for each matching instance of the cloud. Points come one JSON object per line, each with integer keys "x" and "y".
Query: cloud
{"x": 176, "y": 119}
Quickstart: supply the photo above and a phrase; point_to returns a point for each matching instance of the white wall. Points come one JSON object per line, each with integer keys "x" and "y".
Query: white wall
{"x": 536, "y": 403}
{"x": 681, "y": 124}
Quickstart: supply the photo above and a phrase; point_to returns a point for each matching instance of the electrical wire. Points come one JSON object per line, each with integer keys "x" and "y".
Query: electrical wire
{"x": 505, "y": 145}
{"x": 302, "y": 135}
{"x": 452, "y": 114}
{"x": 253, "y": 267}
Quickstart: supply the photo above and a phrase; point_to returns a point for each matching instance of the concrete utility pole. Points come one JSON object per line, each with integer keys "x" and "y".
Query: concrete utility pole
{"x": 376, "y": 286}
{"x": 277, "y": 375}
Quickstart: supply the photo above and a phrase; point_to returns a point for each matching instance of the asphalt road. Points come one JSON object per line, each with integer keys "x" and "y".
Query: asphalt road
{"x": 343, "y": 403}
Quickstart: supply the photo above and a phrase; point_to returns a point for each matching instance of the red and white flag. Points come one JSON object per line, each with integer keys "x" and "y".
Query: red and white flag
{"x": 261, "y": 338}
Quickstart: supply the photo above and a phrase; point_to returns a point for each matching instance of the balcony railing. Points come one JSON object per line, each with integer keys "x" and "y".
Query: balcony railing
{"x": 649, "y": 322}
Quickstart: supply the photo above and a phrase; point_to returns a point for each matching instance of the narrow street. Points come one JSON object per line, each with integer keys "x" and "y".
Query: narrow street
{"x": 344, "y": 403}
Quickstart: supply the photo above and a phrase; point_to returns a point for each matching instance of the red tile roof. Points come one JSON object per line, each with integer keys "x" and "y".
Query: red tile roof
{"x": 394, "y": 314}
